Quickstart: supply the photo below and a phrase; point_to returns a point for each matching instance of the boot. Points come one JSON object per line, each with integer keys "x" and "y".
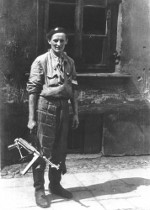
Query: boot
{"x": 38, "y": 170}
{"x": 57, "y": 189}
{"x": 41, "y": 199}
{"x": 55, "y": 186}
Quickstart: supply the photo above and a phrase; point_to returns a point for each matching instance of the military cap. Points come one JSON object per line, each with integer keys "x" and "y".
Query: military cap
{"x": 54, "y": 31}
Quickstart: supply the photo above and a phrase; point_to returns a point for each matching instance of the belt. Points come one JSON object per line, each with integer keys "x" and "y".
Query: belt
{"x": 53, "y": 100}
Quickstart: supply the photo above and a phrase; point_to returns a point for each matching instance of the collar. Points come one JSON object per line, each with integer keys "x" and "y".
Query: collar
{"x": 52, "y": 64}
{"x": 63, "y": 56}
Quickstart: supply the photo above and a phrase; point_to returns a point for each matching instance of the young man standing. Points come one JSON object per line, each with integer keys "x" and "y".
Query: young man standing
{"x": 52, "y": 83}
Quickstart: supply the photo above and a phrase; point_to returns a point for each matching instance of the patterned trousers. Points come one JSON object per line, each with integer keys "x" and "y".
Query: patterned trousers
{"x": 52, "y": 132}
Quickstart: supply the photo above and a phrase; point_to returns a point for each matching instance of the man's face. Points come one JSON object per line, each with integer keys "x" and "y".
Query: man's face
{"x": 58, "y": 42}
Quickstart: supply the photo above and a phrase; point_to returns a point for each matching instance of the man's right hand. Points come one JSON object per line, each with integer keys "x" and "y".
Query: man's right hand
{"x": 32, "y": 125}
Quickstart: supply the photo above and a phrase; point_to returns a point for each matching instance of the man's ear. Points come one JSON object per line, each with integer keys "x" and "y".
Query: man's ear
{"x": 66, "y": 41}
{"x": 49, "y": 42}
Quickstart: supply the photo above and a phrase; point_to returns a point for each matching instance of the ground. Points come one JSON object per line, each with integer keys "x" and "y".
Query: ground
{"x": 77, "y": 163}
{"x": 96, "y": 182}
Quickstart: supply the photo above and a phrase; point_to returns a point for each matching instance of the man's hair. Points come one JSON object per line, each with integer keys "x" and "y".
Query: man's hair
{"x": 54, "y": 31}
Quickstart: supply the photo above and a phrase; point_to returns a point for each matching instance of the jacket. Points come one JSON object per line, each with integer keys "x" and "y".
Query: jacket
{"x": 42, "y": 73}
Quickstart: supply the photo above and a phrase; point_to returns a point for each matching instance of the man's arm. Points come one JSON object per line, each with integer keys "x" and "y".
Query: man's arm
{"x": 64, "y": 91}
{"x": 74, "y": 103}
{"x": 32, "y": 111}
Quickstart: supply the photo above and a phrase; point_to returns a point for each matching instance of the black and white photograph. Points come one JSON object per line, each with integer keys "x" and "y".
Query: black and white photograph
{"x": 74, "y": 104}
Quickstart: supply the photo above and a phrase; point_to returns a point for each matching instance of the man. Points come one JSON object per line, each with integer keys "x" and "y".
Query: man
{"x": 52, "y": 83}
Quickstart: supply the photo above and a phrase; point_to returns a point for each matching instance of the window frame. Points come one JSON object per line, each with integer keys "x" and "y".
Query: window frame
{"x": 110, "y": 38}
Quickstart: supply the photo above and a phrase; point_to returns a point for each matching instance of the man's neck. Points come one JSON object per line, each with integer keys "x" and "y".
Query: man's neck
{"x": 59, "y": 55}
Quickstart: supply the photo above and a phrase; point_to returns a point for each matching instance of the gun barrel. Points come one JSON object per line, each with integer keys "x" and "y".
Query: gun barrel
{"x": 12, "y": 146}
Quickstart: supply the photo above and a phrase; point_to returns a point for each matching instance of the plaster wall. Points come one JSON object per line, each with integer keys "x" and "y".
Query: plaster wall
{"x": 126, "y": 128}
{"x": 22, "y": 28}
{"x": 18, "y": 21}
{"x": 135, "y": 42}
{"x": 18, "y": 43}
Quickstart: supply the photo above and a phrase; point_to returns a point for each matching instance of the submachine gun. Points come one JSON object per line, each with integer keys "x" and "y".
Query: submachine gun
{"x": 20, "y": 143}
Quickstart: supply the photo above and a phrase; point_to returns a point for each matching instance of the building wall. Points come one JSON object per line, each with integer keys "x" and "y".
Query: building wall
{"x": 104, "y": 102}
{"x": 18, "y": 43}
{"x": 127, "y": 127}
{"x": 135, "y": 43}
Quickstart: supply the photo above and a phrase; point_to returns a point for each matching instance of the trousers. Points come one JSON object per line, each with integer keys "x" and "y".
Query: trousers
{"x": 51, "y": 141}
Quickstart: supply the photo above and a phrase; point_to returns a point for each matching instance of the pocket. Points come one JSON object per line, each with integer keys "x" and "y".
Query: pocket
{"x": 42, "y": 104}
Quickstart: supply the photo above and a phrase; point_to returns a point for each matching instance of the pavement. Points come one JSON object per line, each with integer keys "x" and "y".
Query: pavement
{"x": 119, "y": 183}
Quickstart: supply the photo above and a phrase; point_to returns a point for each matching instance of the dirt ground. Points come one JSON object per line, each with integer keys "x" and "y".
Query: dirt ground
{"x": 86, "y": 163}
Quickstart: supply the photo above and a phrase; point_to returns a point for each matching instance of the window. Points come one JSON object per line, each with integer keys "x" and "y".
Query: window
{"x": 91, "y": 25}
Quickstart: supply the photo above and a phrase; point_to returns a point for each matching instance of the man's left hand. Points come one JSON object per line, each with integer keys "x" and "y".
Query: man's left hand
{"x": 75, "y": 122}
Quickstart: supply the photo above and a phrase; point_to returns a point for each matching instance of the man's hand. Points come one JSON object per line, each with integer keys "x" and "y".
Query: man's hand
{"x": 32, "y": 126}
{"x": 75, "y": 121}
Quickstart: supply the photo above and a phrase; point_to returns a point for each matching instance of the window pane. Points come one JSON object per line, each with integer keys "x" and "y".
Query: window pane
{"x": 94, "y": 20}
{"x": 62, "y": 15}
{"x": 92, "y": 50}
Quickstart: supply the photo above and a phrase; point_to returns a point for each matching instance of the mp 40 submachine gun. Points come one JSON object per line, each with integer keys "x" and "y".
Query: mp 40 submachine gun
{"x": 20, "y": 143}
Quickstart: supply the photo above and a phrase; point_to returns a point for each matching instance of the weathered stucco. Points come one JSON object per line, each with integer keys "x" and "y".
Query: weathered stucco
{"x": 126, "y": 129}
{"x": 135, "y": 43}
{"x": 104, "y": 102}
{"x": 17, "y": 46}
{"x": 17, "y": 50}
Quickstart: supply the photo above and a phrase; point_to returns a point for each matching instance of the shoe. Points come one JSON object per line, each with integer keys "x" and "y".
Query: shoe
{"x": 60, "y": 191}
{"x": 41, "y": 199}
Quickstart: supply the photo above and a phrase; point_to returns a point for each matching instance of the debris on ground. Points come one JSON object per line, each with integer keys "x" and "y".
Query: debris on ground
{"x": 78, "y": 163}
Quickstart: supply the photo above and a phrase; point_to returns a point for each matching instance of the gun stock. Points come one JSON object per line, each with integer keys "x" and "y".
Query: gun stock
{"x": 30, "y": 164}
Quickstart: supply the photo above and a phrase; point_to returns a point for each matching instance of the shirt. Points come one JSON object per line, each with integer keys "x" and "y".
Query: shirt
{"x": 49, "y": 70}
{"x": 55, "y": 69}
